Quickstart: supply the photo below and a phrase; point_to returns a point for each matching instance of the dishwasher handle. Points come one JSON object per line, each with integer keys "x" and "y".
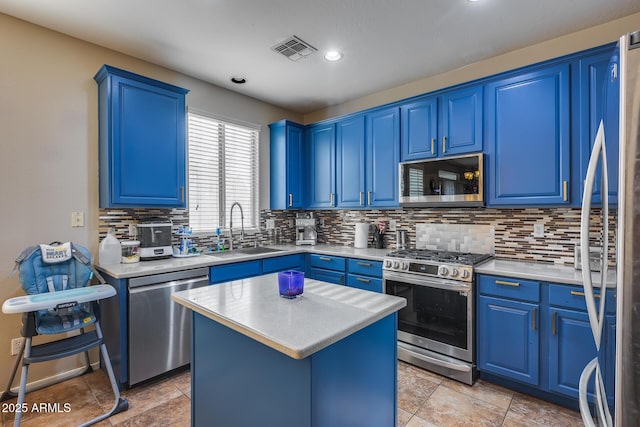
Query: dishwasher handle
{"x": 172, "y": 284}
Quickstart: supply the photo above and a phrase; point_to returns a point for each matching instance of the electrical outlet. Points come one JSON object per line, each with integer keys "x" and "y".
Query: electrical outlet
{"x": 321, "y": 222}
{"x": 77, "y": 219}
{"x": 392, "y": 225}
{"x": 16, "y": 345}
{"x": 133, "y": 231}
{"x": 538, "y": 230}
{"x": 271, "y": 224}
{"x": 290, "y": 223}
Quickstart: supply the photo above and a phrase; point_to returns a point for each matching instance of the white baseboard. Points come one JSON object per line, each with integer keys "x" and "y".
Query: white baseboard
{"x": 54, "y": 379}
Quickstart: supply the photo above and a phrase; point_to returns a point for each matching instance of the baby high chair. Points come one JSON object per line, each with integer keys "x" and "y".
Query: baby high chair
{"x": 58, "y": 300}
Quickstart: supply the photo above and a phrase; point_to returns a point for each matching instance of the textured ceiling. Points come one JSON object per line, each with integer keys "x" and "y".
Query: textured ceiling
{"x": 385, "y": 42}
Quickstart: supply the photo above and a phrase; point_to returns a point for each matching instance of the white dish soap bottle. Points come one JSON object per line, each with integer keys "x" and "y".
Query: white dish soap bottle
{"x": 110, "y": 251}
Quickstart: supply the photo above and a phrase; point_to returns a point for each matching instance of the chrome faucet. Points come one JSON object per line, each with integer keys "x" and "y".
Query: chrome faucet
{"x": 231, "y": 225}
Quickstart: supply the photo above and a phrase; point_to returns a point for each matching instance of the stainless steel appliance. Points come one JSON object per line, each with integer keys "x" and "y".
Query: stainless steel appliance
{"x": 155, "y": 239}
{"x": 449, "y": 181}
{"x": 621, "y": 122}
{"x": 436, "y": 329}
{"x": 306, "y": 233}
{"x": 146, "y": 333}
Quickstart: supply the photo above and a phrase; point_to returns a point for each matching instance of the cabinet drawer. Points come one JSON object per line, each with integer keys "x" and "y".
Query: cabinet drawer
{"x": 328, "y": 262}
{"x": 238, "y": 270}
{"x": 508, "y": 287}
{"x": 270, "y": 265}
{"x": 366, "y": 267}
{"x": 364, "y": 282}
{"x": 325, "y": 275}
{"x": 573, "y": 297}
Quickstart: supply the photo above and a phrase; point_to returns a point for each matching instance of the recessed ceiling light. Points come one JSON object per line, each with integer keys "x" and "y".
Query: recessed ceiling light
{"x": 333, "y": 56}
{"x": 238, "y": 80}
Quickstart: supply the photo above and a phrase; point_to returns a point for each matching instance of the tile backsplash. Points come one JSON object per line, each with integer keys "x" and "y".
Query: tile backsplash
{"x": 511, "y": 229}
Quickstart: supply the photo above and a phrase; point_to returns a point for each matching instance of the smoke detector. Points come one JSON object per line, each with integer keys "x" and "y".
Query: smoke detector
{"x": 294, "y": 48}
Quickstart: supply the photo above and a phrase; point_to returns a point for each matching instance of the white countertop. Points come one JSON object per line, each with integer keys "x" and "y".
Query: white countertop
{"x": 146, "y": 268}
{"x": 321, "y": 316}
{"x": 542, "y": 272}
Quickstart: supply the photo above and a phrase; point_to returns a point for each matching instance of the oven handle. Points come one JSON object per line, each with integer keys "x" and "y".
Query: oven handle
{"x": 435, "y": 360}
{"x": 447, "y": 285}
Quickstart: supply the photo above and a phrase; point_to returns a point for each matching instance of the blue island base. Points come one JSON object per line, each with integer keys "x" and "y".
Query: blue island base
{"x": 237, "y": 381}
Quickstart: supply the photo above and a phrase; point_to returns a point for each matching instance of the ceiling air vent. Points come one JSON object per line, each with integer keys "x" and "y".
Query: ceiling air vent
{"x": 294, "y": 48}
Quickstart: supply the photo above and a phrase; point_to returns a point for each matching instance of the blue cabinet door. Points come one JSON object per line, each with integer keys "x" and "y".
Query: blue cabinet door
{"x": 286, "y": 165}
{"x": 383, "y": 153}
{"x": 322, "y": 166}
{"x": 509, "y": 339}
{"x": 350, "y": 163}
{"x": 528, "y": 138}
{"x": 590, "y": 79}
{"x": 461, "y": 126}
{"x": 419, "y": 129}
{"x": 571, "y": 347}
{"x": 142, "y": 148}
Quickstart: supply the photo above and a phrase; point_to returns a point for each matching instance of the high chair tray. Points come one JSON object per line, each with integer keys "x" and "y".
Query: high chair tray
{"x": 50, "y": 300}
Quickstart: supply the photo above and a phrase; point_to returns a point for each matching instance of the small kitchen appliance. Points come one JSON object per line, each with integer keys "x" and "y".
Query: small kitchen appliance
{"x": 436, "y": 329}
{"x": 306, "y": 233}
{"x": 155, "y": 239}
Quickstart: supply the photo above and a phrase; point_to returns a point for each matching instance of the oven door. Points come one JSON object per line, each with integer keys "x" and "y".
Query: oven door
{"x": 438, "y": 316}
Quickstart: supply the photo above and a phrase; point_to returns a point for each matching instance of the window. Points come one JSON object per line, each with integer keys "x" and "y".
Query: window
{"x": 223, "y": 169}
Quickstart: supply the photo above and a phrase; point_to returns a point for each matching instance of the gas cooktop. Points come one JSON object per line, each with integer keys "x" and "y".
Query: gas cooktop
{"x": 462, "y": 258}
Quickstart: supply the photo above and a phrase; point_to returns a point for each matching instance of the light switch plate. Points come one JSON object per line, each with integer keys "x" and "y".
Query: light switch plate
{"x": 77, "y": 219}
{"x": 538, "y": 230}
{"x": 271, "y": 224}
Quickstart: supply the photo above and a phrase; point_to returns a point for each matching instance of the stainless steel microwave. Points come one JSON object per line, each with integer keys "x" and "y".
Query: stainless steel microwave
{"x": 449, "y": 181}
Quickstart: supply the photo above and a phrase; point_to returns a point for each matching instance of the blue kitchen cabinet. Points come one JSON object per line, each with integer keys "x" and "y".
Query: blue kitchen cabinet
{"x": 234, "y": 271}
{"x": 141, "y": 141}
{"x": 444, "y": 125}
{"x": 287, "y": 165}
{"x": 509, "y": 328}
{"x": 322, "y": 166}
{"x": 350, "y": 162}
{"x": 509, "y": 339}
{"x": 571, "y": 347}
{"x": 364, "y": 274}
{"x": 287, "y": 262}
{"x": 528, "y": 138}
{"x": 382, "y": 156}
{"x": 419, "y": 129}
{"x": 326, "y": 268}
{"x": 590, "y": 78}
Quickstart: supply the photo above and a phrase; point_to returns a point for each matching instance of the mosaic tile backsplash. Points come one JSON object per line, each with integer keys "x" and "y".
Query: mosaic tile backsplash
{"x": 512, "y": 228}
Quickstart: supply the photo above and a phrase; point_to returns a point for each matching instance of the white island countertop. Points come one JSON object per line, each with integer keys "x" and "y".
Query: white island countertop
{"x": 322, "y": 315}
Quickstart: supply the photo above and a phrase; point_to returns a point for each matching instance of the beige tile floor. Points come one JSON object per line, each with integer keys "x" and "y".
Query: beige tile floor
{"x": 424, "y": 400}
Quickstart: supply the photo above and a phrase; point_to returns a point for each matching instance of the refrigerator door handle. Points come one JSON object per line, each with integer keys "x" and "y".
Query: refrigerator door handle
{"x": 596, "y": 318}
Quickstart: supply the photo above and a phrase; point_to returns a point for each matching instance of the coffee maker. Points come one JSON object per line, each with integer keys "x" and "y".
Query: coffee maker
{"x": 306, "y": 233}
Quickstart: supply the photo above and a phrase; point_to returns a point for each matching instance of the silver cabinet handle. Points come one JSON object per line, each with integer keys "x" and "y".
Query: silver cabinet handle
{"x": 290, "y": 199}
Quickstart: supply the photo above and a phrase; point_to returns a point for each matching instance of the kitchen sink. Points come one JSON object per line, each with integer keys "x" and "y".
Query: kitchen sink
{"x": 244, "y": 251}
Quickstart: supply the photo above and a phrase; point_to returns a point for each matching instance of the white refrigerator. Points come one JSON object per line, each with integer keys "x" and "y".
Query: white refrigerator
{"x": 621, "y": 121}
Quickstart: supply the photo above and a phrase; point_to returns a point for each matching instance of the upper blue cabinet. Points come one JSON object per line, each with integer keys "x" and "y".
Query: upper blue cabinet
{"x": 528, "y": 138}
{"x": 447, "y": 124}
{"x": 287, "y": 165}
{"x": 350, "y": 162}
{"x": 594, "y": 79}
{"x": 142, "y": 148}
{"x": 321, "y": 146}
{"x": 382, "y": 154}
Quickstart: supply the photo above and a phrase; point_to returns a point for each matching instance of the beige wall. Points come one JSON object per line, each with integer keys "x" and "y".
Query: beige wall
{"x": 48, "y": 146}
{"x": 571, "y": 43}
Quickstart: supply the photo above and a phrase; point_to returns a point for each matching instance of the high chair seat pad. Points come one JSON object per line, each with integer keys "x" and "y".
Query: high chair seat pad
{"x": 50, "y": 323}
{"x": 52, "y": 300}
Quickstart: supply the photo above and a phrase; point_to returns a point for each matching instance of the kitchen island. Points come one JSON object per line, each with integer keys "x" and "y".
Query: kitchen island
{"x": 326, "y": 358}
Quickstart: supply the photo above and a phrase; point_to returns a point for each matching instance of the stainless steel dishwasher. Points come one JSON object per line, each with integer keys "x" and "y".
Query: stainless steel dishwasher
{"x": 160, "y": 329}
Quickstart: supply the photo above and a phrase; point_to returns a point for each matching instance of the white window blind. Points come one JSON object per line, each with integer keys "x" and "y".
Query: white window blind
{"x": 223, "y": 169}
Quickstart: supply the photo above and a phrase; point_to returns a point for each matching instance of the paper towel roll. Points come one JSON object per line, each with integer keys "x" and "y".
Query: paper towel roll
{"x": 362, "y": 235}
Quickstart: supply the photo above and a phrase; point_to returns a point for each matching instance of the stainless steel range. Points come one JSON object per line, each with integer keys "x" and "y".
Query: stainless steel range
{"x": 436, "y": 329}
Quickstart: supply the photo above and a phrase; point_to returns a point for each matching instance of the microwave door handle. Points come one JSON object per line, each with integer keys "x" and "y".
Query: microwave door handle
{"x": 594, "y": 319}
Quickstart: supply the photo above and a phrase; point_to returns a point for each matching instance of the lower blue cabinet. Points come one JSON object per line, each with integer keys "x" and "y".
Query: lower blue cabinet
{"x": 281, "y": 263}
{"x": 542, "y": 338}
{"x": 235, "y": 271}
{"x": 571, "y": 347}
{"x": 364, "y": 282}
{"x": 509, "y": 339}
